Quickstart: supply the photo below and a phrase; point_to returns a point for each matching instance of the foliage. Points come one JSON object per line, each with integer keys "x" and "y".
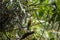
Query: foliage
{"x": 29, "y": 19}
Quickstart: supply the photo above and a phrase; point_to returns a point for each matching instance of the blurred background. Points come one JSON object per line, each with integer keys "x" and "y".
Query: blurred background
{"x": 29, "y": 19}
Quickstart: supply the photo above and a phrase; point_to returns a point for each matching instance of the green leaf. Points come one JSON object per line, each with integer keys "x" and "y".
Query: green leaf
{"x": 34, "y": 38}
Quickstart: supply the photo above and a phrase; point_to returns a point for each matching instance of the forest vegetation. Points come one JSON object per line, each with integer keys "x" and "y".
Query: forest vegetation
{"x": 29, "y": 19}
